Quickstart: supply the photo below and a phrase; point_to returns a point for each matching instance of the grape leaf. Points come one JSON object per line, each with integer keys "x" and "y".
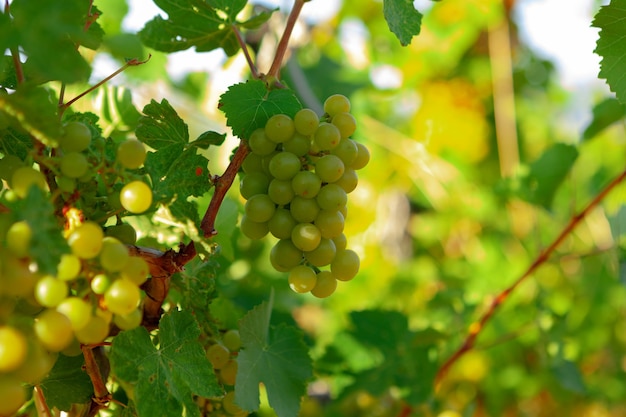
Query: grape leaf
{"x": 274, "y": 356}
{"x": 209, "y": 138}
{"x": 568, "y": 375}
{"x": 67, "y": 383}
{"x": 166, "y": 377}
{"x": 611, "y": 46}
{"x": 249, "y": 105}
{"x": 204, "y": 24}
{"x": 605, "y": 114}
{"x": 403, "y": 19}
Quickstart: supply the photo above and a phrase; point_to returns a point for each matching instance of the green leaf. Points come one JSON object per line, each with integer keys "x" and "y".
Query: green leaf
{"x": 605, "y": 114}
{"x": 547, "y": 173}
{"x": 203, "y": 24}
{"x": 67, "y": 383}
{"x": 276, "y": 357}
{"x": 225, "y": 224}
{"x": 165, "y": 377}
{"x": 611, "y": 46}
{"x": 403, "y": 19}
{"x": 209, "y": 138}
{"x": 568, "y": 375}
{"x": 249, "y": 105}
{"x": 256, "y": 21}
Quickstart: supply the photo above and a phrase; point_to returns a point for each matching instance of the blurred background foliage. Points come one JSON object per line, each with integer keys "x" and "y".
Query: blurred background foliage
{"x": 459, "y": 198}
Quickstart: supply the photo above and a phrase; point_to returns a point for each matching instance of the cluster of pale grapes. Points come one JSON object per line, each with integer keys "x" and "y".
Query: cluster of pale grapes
{"x": 222, "y": 356}
{"x": 96, "y": 286}
{"x": 296, "y": 183}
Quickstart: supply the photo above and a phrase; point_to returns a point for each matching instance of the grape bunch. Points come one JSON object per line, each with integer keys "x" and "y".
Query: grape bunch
{"x": 296, "y": 182}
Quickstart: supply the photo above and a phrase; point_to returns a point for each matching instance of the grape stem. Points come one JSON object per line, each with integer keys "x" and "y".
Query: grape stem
{"x": 476, "y": 327}
{"x": 244, "y": 47}
{"x": 101, "y": 396}
{"x": 281, "y": 49}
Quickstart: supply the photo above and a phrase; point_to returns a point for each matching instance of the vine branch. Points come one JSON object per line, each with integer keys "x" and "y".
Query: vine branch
{"x": 476, "y": 327}
{"x": 281, "y": 49}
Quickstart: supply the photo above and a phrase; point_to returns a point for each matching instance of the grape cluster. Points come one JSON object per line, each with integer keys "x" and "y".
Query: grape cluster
{"x": 296, "y": 183}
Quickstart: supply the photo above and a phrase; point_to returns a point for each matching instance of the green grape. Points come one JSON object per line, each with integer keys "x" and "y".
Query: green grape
{"x": 306, "y": 184}
{"x": 128, "y": 321}
{"x": 331, "y": 197}
{"x": 363, "y": 157}
{"x": 74, "y": 165}
{"x": 113, "y": 200}
{"x": 136, "y": 197}
{"x": 252, "y": 163}
{"x": 18, "y": 239}
{"x": 280, "y": 191}
{"x": 284, "y": 255}
{"x": 136, "y": 270}
{"x": 86, "y": 240}
{"x": 122, "y": 297}
{"x": 218, "y": 355}
{"x": 69, "y": 267}
{"x": 265, "y": 162}
{"x": 228, "y": 403}
{"x": 325, "y": 284}
{"x": 13, "y": 348}
{"x": 76, "y": 137}
{"x": 298, "y": 145}
{"x": 304, "y": 210}
{"x": 346, "y": 264}
{"x": 94, "y": 332}
{"x": 327, "y": 136}
{"x": 302, "y": 279}
{"x": 330, "y": 223}
{"x": 37, "y": 365}
{"x": 123, "y": 232}
{"x": 50, "y": 291}
{"x": 322, "y": 255}
{"x": 260, "y": 208}
{"x": 347, "y": 150}
{"x": 66, "y": 184}
{"x": 329, "y": 168}
{"x": 284, "y": 165}
{"x": 349, "y": 180}
{"x": 232, "y": 340}
{"x": 131, "y": 153}
{"x": 25, "y": 177}
{"x": 253, "y": 183}
{"x": 306, "y": 122}
{"x": 341, "y": 242}
{"x": 54, "y": 330}
{"x": 77, "y": 310}
{"x": 336, "y": 104}
{"x": 100, "y": 284}
{"x": 12, "y": 395}
{"x": 253, "y": 230}
{"x": 279, "y": 128}
{"x": 17, "y": 278}
{"x": 346, "y": 123}
{"x": 228, "y": 374}
{"x": 281, "y": 224}
{"x": 8, "y": 165}
{"x": 260, "y": 144}
{"x": 73, "y": 349}
{"x": 306, "y": 236}
{"x": 113, "y": 255}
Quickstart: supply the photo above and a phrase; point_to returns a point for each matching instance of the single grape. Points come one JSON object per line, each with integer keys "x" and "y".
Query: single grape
{"x": 260, "y": 208}
{"x": 100, "y": 283}
{"x": 228, "y": 374}
{"x": 341, "y": 242}
{"x": 218, "y": 355}
{"x": 346, "y": 264}
{"x": 54, "y": 330}
{"x": 281, "y": 224}
{"x": 18, "y": 239}
{"x": 122, "y": 297}
{"x": 260, "y": 144}
{"x": 12, "y": 395}
{"x": 123, "y": 232}
{"x": 16, "y": 278}
{"x": 306, "y": 122}
{"x": 329, "y": 168}
{"x": 131, "y": 153}
{"x": 253, "y": 230}
{"x": 252, "y": 163}
{"x": 298, "y": 145}
{"x": 330, "y": 223}
{"x": 306, "y": 236}
{"x": 327, "y": 136}
{"x": 332, "y": 197}
{"x": 302, "y": 279}
{"x": 363, "y": 157}
{"x": 66, "y": 184}
{"x": 279, "y": 128}
{"x": 86, "y": 240}
{"x": 304, "y": 210}
{"x": 136, "y": 197}
{"x": 13, "y": 348}
{"x": 284, "y": 255}
{"x": 76, "y": 137}
{"x": 25, "y": 177}
{"x": 322, "y": 255}
{"x": 50, "y": 291}
{"x": 349, "y": 180}
{"x": 347, "y": 150}
{"x": 77, "y": 310}
{"x": 128, "y": 321}
{"x": 94, "y": 332}
{"x": 37, "y": 365}
{"x": 228, "y": 403}
{"x": 69, "y": 267}
{"x": 136, "y": 269}
{"x": 280, "y": 191}
{"x": 113, "y": 255}
{"x": 346, "y": 123}
{"x": 254, "y": 183}
{"x": 335, "y": 104}
{"x": 74, "y": 165}
{"x": 325, "y": 284}
{"x": 8, "y": 165}
{"x": 306, "y": 184}
{"x": 232, "y": 340}
{"x": 284, "y": 165}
